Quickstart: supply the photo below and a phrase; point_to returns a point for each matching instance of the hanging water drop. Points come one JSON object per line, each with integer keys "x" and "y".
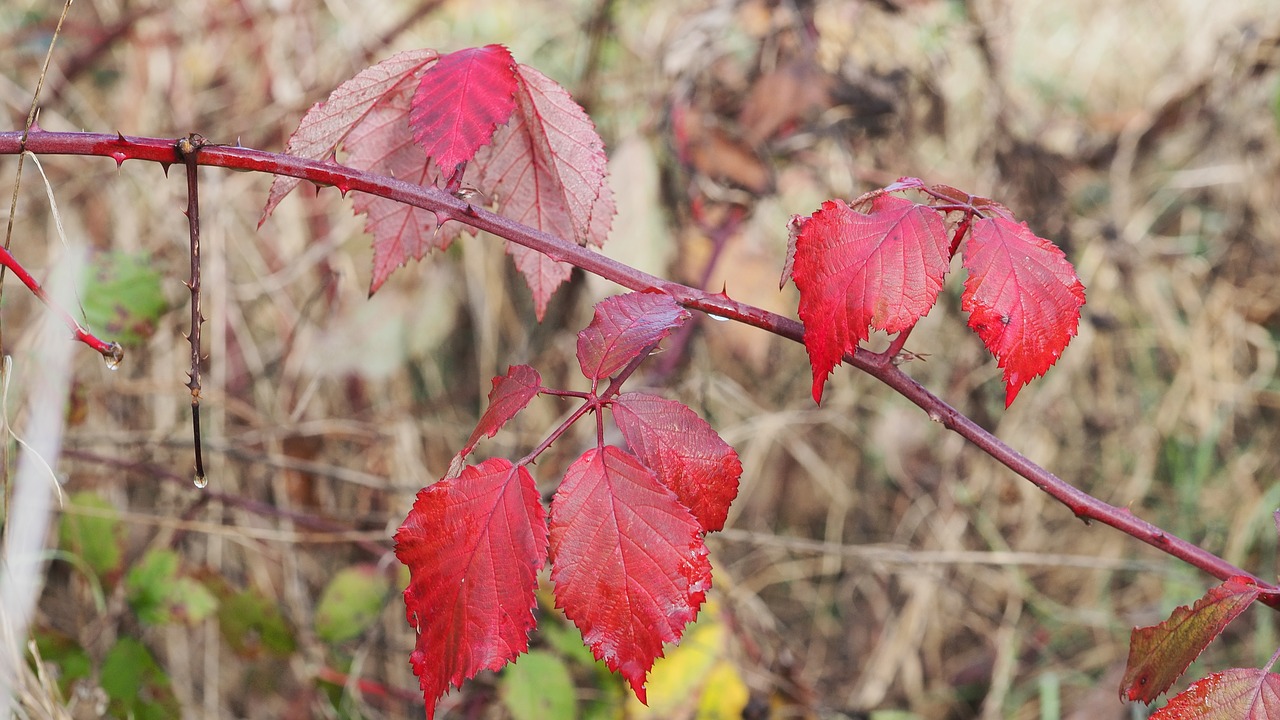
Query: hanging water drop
{"x": 201, "y": 481}
{"x": 113, "y": 355}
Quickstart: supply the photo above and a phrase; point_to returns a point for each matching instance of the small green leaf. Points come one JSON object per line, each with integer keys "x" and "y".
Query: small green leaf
{"x": 567, "y": 641}
{"x": 123, "y": 297}
{"x": 250, "y": 623}
{"x": 538, "y": 687}
{"x": 58, "y": 649}
{"x": 191, "y": 602}
{"x": 148, "y": 583}
{"x": 93, "y": 537}
{"x": 159, "y": 595}
{"x": 351, "y": 603}
{"x": 135, "y": 684}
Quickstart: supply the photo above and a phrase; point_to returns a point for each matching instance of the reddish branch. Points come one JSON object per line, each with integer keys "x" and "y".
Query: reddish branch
{"x": 111, "y": 351}
{"x": 880, "y": 366}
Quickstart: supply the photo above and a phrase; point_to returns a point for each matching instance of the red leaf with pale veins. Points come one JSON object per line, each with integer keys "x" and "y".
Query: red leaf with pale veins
{"x": 1023, "y": 298}
{"x": 623, "y": 326}
{"x": 327, "y": 124}
{"x": 380, "y": 144}
{"x": 857, "y": 271}
{"x": 628, "y": 561}
{"x": 460, "y": 102}
{"x": 547, "y": 169}
{"x": 1235, "y": 694}
{"x": 1159, "y": 654}
{"x": 473, "y": 546}
{"x": 510, "y": 394}
{"x": 684, "y": 451}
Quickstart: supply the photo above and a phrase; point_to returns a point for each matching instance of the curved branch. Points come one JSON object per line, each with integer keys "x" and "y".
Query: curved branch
{"x": 881, "y": 367}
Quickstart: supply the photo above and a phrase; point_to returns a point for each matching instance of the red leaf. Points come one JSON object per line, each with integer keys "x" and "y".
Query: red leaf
{"x": 510, "y": 394}
{"x": 1023, "y": 298}
{"x": 547, "y": 169}
{"x": 473, "y": 547}
{"x": 1159, "y": 654}
{"x": 460, "y": 102}
{"x": 380, "y": 144}
{"x": 328, "y": 123}
{"x": 623, "y": 326}
{"x": 1235, "y": 694}
{"x": 628, "y": 562}
{"x": 856, "y": 271}
{"x": 687, "y": 455}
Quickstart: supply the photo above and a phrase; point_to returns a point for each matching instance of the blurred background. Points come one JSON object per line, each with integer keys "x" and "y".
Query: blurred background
{"x": 873, "y": 566}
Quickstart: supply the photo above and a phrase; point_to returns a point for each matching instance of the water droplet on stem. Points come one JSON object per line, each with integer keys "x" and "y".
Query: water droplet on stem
{"x": 113, "y": 356}
{"x": 202, "y": 481}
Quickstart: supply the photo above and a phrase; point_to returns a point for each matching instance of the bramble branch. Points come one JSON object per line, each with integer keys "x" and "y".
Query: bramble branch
{"x": 112, "y": 351}
{"x": 878, "y": 365}
{"x": 187, "y": 149}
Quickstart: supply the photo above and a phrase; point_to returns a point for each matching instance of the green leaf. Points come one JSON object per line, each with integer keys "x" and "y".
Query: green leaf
{"x": 93, "y": 537}
{"x": 123, "y": 297}
{"x": 538, "y": 687}
{"x": 147, "y": 586}
{"x": 61, "y": 650}
{"x": 135, "y": 684}
{"x": 159, "y": 595}
{"x": 566, "y": 641}
{"x": 191, "y": 602}
{"x": 351, "y": 603}
{"x": 1159, "y": 654}
{"x": 251, "y": 623}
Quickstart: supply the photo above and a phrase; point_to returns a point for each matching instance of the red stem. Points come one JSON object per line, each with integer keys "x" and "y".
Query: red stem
{"x": 367, "y": 687}
{"x": 111, "y": 351}
{"x": 1085, "y": 506}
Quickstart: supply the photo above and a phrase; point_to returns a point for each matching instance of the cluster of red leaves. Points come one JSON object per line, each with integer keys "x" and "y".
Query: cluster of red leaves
{"x": 626, "y": 524}
{"x": 624, "y": 532}
{"x": 880, "y": 264}
{"x": 473, "y": 121}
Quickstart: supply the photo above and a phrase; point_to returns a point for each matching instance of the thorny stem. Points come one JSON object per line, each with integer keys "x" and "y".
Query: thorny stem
{"x": 187, "y": 149}
{"x": 1085, "y": 506}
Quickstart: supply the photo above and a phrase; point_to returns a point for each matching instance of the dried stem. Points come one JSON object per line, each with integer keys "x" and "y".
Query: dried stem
{"x": 187, "y": 149}
{"x": 880, "y": 366}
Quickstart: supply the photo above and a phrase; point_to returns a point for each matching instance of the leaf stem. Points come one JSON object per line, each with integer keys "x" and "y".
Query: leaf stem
{"x": 1083, "y": 505}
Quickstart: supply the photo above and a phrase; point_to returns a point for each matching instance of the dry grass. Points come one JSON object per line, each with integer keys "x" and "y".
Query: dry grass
{"x": 873, "y": 560}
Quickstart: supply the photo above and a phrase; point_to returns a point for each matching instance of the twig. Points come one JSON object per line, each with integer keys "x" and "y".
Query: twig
{"x": 367, "y": 687}
{"x": 112, "y": 351}
{"x": 319, "y": 529}
{"x": 187, "y": 149}
{"x": 878, "y": 365}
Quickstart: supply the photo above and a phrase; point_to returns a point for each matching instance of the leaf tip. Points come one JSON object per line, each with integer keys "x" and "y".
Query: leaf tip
{"x": 819, "y": 383}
